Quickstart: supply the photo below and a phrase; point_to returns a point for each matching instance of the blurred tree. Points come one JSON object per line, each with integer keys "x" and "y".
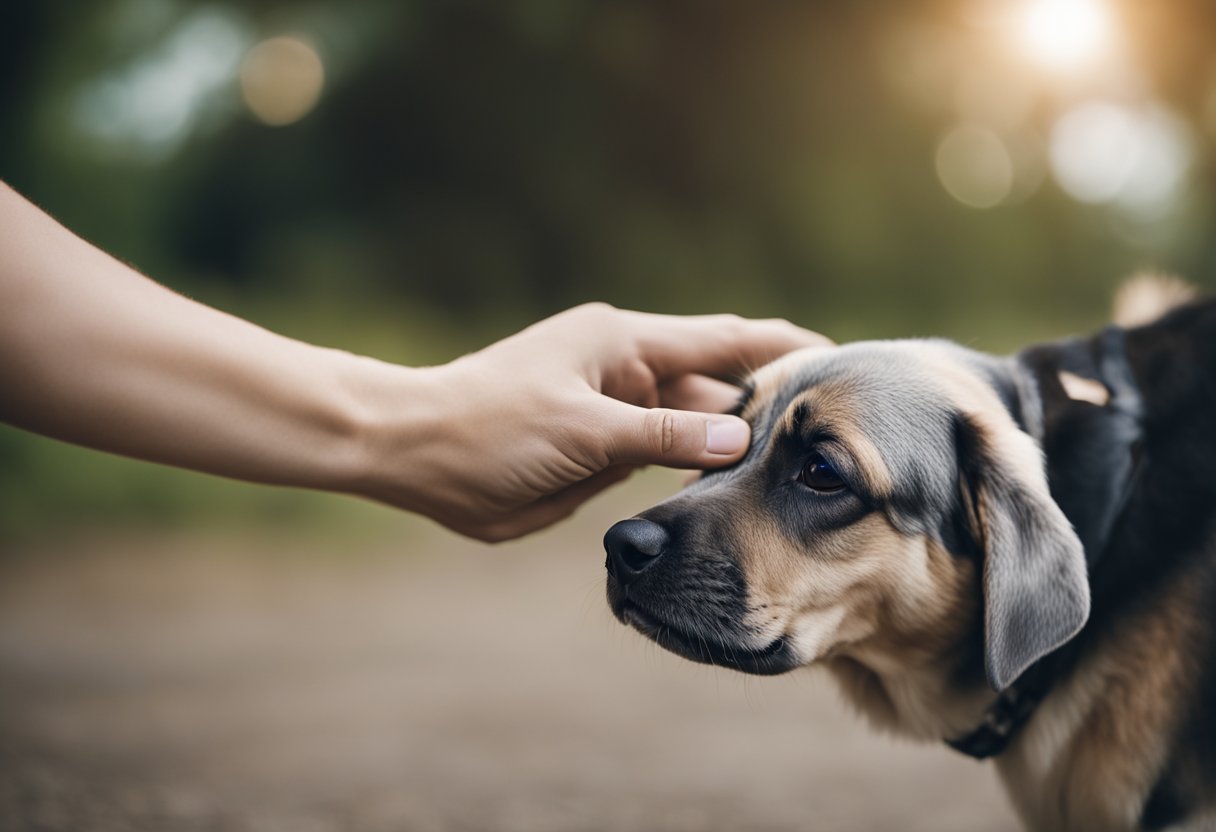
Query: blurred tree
{"x": 470, "y": 167}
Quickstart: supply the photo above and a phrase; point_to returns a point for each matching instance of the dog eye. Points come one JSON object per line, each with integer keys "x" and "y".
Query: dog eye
{"x": 820, "y": 475}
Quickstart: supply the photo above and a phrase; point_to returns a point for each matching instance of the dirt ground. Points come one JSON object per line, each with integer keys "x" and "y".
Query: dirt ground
{"x": 412, "y": 681}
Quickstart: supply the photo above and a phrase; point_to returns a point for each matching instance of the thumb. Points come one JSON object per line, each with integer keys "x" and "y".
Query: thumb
{"x": 675, "y": 438}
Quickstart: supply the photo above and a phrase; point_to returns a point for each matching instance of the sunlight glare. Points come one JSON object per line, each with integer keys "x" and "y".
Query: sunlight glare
{"x": 1065, "y": 34}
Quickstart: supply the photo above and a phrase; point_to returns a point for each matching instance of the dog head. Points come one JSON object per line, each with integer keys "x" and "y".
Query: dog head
{"x": 888, "y": 502}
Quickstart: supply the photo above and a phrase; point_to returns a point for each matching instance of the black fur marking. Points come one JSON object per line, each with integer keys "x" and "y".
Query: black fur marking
{"x": 1092, "y": 451}
{"x": 1164, "y": 808}
{"x": 1165, "y": 531}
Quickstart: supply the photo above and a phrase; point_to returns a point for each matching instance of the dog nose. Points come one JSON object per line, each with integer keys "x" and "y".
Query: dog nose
{"x": 632, "y": 546}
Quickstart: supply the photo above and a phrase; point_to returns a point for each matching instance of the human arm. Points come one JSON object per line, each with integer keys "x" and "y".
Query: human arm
{"x": 494, "y": 445}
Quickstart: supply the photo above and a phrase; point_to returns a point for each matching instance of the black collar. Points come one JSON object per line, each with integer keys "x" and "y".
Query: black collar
{"x": 1012, "y": 709}
{"x": 1092, "y": 475}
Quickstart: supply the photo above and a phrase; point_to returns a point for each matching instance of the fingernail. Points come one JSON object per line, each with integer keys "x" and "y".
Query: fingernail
{"x": 727, "y": 437}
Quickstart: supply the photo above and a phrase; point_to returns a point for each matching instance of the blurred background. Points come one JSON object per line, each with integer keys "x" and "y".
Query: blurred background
{"x": 413, "y": 179}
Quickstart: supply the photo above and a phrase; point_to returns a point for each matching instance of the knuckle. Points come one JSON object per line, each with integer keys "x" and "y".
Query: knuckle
{"x": 639, "y": 376}
{"x": 796, "y": 333}
{"x": 594, "y": 310}
{"x": 660, "y": 429}
{"x": 732, "y": 326}
{"x": 785, "y": 329}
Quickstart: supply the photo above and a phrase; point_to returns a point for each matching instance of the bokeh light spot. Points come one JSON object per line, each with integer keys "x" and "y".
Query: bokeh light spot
{"x": 1093, "y": 149}
{"x": 281, "y": 80}
{"x": 1102, "y": 152}
{"x": 975, "y": 167}
{"x": 1065, "y": 34}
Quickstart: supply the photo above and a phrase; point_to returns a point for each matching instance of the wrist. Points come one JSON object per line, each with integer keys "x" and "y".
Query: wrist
{"x": 393, "y": 419}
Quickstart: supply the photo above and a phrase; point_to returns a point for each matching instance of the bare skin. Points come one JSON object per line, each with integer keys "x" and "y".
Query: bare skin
{"x": 494, "y": 445}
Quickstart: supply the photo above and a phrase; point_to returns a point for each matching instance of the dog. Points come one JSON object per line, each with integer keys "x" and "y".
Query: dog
{"x": 1014, "y": 555}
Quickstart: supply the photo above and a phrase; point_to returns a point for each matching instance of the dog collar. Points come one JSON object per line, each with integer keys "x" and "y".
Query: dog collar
{"x": 1117, "y": 422}
{"x": 1011, "y": 710}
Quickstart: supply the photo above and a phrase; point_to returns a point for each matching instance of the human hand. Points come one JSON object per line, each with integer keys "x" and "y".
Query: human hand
{"x": 494, "y": 445}
{"x": 515, "y": 437}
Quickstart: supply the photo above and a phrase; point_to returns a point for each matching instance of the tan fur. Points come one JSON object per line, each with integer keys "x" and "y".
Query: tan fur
{"x": 1083, "y": 389}
{"x": 767, "y": 381}
{"x": 1097, "y": 745}
{"x": 816, "y": 595}
{"x": 830, "y": 408}
{"x": 888, "y": 610}
{"x": 1006, "y": 441}
{"x": 894, "y": 678}
{"x": 1147, "y": 296}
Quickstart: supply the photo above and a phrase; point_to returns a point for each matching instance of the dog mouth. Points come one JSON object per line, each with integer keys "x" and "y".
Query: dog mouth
{"x": 774, "y": 658}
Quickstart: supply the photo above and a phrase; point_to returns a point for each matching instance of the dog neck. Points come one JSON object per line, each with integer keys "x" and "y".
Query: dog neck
{"x": 1079, "y": 399}
{"x": 917, "y": 700}
{"x": 924, "y": 680}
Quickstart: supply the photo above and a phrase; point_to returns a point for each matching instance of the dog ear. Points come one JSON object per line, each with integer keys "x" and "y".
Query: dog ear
{"x": 1036, "y": 591}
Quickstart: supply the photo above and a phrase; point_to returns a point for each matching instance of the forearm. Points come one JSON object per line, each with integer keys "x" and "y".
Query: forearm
{"x": 503, "y": 442}
{"x": 94, "y": 353}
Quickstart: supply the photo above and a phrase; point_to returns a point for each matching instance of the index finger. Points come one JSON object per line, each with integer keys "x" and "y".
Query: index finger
{"x": 720, "y": 346}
